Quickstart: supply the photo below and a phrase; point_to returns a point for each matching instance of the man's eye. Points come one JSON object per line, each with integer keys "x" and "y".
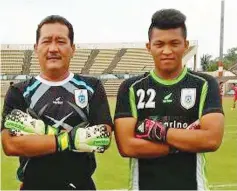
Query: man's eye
{"x": 158, "y": 44}
{"x": 175, "y": 43}
{"x": 45, "y": 41}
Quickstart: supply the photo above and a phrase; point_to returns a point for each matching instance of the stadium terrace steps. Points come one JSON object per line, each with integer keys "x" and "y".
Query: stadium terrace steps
{"x": 112, "y": 86}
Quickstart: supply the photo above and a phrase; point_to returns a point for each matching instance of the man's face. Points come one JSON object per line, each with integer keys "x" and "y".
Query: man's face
{"x": 54, "y": 49}
{"x": 167, "y": 48}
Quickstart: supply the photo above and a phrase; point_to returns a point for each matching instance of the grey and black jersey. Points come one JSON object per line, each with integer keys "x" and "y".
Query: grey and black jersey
{"x": 176, "y": 103}
{"x": 62, "y": 105}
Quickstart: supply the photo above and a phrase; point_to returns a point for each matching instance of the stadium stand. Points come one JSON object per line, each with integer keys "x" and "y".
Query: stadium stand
{"x": 91, "y": 59}
{"x": 112, "y": 85}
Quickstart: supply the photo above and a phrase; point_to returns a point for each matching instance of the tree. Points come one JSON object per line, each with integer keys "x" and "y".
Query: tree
{"x": 27, "y": 62}
{"x": 213, "y": 65}
{"x": 205, "y": 61}
{"x": 230, "y": 58}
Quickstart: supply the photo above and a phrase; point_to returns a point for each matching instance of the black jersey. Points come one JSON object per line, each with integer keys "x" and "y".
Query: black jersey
{"x": 63, "y": 105}
{"x": 176, "y": 103}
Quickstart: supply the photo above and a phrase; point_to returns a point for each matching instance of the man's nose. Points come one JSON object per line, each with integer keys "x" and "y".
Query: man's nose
{"x": 167, "y": 50}
{"x": 53, "y": 47}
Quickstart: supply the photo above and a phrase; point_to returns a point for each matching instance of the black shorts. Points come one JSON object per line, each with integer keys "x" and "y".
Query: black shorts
{"x": 37, "y": 185}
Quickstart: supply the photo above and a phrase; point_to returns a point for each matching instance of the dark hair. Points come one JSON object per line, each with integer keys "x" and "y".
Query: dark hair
{"x": 168, "y": 19}
{"x": 56, "y": 19}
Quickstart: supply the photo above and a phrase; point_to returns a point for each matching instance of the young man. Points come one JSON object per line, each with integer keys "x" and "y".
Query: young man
{"x": 73, "y": 118}
{"x": 234, "y": 87}
{"x": 167, "y": 118}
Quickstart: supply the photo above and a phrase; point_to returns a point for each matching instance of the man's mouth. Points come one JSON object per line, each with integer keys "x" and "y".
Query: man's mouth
{"x": 167, "y": 59}
{"x": 53, "y": 58}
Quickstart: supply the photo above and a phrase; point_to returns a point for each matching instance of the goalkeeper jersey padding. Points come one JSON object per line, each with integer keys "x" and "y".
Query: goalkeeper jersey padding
{"x": 63, "y": 105}
{"x": 176, "y": 103}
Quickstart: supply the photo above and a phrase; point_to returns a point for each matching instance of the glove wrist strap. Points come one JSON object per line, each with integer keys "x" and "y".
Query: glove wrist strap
{"x": 51, "y": 130}
{"x": 62, "y": 141}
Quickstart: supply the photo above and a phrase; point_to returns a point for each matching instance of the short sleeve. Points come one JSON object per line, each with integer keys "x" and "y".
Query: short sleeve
{"x": 125, "y": 98}
{"x": 99, "y": 107}
{"x": 210, "y": 98}
{"x": 13, "y": 100}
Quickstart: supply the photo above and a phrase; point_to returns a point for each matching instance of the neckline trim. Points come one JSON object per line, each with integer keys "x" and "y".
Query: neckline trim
{"x": 59, "y": 83}
{"x": 169, "y": 82}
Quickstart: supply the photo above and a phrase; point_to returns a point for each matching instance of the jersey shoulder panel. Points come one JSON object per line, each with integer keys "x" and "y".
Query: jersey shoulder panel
{"x": 205, "y": 77}
{"x": 87, "y": 82}
{"x": 133, "y": 80}
{"x": 21, "y": 86}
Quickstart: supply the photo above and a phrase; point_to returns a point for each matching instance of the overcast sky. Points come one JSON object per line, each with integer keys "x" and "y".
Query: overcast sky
{"x": 102, "y": 21}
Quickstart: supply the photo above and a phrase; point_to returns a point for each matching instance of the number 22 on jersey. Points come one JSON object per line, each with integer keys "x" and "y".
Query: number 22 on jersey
{"x": 141, "y": 94}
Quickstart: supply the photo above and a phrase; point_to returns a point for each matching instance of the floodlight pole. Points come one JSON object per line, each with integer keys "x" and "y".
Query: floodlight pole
{"x": 220, "y": 63}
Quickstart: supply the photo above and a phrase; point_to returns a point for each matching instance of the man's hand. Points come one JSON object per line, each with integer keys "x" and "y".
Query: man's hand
{"x": 156, "y": 131}
{"x": 152, "y": 130}
{"x": 84, "y": 138}
{"x": 81, "y": 138}
{"x": 194, "y": 125}
{"x": 20, "y": 123}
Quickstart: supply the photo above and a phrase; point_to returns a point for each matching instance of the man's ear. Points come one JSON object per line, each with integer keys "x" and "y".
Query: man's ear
{"x": 186, "y": 44}
{"x": 73, "y": 49}
{"x": 36, "y": 49}
{"x": 148, "y": 47}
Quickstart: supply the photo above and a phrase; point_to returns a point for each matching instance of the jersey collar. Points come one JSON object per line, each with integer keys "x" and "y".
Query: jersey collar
{"x": 169, "y": 82}
{"x": 59, "y": 83}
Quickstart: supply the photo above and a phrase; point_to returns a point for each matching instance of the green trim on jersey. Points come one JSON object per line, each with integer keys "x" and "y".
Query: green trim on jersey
{"x": 169, "y": 82}
{"x": 202, "y": 183}
{"x": 204, "y": 171}
{"x": 132, "y": 102}
{"x": 201, "y": 106}
{"x": 200, "y": 111}
{"x": 133, "y": 174}
{"x": 131, "y": 169}
{"x": 202, "y": 99}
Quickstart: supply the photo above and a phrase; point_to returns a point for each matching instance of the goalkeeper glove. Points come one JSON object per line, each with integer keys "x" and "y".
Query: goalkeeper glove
{"x": 84, "y": 138}
{"x": 20, "y": 123}
{"x": 152, "y": 130}
{"x": 81, "y": 139}
{"x": 156, "y": 131}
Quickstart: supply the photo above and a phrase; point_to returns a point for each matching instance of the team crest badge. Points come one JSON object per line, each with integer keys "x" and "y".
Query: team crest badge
{"x": 81, "y": 97}
{"x": 188, "y": 97}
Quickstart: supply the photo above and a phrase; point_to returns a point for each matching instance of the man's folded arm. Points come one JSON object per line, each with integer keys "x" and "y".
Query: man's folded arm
{"x": 207, "y": 138}
{"x": 130, "y": 146}
{"x": 28, "y": 145}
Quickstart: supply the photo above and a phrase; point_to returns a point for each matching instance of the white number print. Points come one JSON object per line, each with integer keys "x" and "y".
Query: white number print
{"x": 150, "y": 103}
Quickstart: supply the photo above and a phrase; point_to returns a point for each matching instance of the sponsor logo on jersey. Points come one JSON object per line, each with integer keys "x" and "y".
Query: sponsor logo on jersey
{"x": 176, "y": 124}
{"x": 179, "y": 122}
{"x": 188, "y": 97}
{"x": 81, "y": 97}
{"x": 58, "y": 101}
{"x": 167, "y": 99}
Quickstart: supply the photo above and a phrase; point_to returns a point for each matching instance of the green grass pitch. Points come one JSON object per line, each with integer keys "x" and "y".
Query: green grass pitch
{"x": 112, "y": 170}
